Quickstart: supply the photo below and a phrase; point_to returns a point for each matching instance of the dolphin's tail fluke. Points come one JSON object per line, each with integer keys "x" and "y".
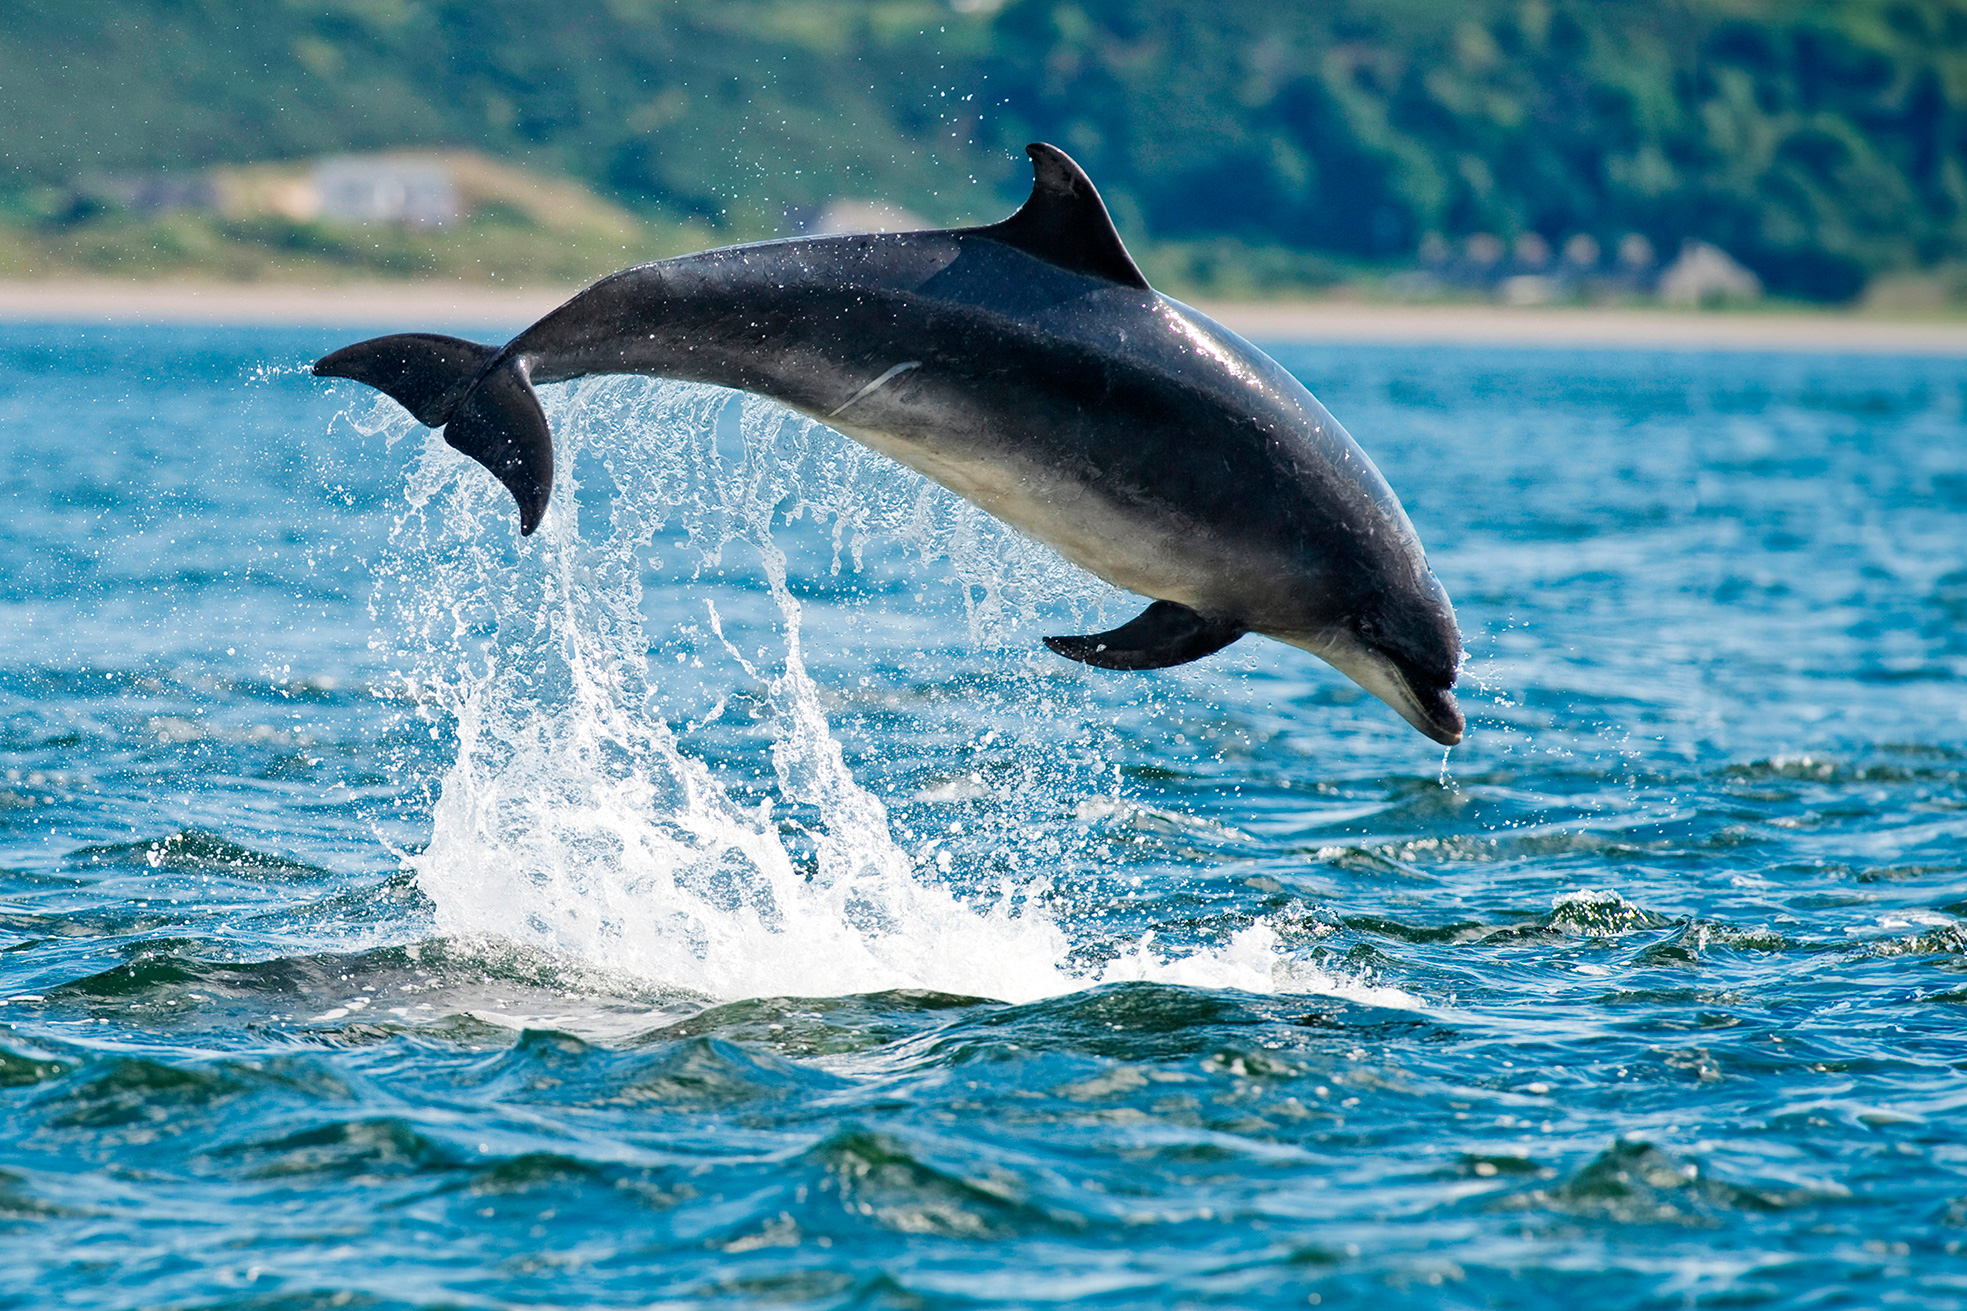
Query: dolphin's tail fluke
{"x": 481, "y": 397}
{"x": 424, "y": 373}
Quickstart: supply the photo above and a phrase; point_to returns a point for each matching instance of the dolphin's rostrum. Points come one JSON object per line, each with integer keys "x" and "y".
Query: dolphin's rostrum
{"x": 1028, "y": 367}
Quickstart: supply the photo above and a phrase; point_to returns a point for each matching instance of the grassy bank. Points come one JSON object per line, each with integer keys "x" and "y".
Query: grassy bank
{"x": 1244, "y": 144}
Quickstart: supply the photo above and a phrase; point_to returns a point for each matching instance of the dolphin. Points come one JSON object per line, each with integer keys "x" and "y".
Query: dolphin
{"x": 1028, "y": 367}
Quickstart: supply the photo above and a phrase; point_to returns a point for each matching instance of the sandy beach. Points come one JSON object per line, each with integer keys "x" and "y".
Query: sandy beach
{"x": 428, "y": 305}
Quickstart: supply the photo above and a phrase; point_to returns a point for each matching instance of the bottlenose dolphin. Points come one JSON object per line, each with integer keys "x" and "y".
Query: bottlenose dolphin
{"x": 1028, "y": 367}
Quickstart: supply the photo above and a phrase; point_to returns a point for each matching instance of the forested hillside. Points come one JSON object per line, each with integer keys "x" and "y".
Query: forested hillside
{"x": 1821, "y": 143}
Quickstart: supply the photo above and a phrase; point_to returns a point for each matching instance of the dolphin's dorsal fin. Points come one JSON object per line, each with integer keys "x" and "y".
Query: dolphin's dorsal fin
{"x": 1065, "y": 222}
{"x": 1164, "y": 634}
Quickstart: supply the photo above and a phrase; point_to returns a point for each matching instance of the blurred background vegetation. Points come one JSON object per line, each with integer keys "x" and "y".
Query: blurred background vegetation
{"x": 1246, "y": 147}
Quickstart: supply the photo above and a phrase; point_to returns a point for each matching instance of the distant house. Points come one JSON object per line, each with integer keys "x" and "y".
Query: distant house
{"x": 148, "y": 194}
{"x": 381, "y": 189}
{"x": 1703, "y": 275}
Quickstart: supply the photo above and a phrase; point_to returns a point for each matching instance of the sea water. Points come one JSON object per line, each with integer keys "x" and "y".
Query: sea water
{"x": 722, "y": 899}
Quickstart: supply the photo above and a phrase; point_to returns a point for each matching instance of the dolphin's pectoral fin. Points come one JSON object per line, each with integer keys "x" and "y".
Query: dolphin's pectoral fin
{"x": 500, "y": 425}
{"x": 1065, "y": 222}
{"x": 1164, "y": 634}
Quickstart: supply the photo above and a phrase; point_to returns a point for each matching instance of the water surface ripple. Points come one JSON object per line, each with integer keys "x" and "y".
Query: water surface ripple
{"x": 722, "y": 900}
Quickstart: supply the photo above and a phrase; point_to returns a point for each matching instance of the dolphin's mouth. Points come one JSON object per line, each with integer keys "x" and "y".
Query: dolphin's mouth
{"x": 1436, "y": 713}
{"x": 1431, "y": 709}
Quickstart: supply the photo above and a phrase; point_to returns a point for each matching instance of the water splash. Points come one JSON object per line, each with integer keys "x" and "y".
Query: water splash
{"x": 574, "y": 819}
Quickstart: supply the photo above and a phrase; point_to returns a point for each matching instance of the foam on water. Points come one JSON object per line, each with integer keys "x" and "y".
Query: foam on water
{"x": 573, "y": 819}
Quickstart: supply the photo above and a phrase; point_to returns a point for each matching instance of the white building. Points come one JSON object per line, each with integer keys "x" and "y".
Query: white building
{"x": 379, "y": 189}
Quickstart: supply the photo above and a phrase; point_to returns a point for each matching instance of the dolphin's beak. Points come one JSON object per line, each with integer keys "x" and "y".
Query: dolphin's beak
{"x": 1432, "y": 710}
{"x": 1435, "y": 712}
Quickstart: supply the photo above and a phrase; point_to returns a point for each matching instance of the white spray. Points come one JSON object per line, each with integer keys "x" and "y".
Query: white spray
{"x": 574, "y": 820}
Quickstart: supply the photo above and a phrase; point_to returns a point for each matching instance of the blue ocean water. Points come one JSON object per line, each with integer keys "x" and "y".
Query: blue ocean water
{"x": 721, "y": 899}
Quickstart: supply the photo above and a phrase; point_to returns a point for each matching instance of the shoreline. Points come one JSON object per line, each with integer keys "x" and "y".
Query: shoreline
{"x": 426, "y": 305}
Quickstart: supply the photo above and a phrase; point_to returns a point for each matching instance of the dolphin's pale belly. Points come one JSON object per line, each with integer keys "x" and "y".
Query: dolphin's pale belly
{"x": 1157, "y": 555}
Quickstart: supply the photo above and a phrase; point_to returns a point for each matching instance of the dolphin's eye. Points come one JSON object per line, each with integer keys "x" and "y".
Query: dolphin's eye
{"x": 1368, "y": 629}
